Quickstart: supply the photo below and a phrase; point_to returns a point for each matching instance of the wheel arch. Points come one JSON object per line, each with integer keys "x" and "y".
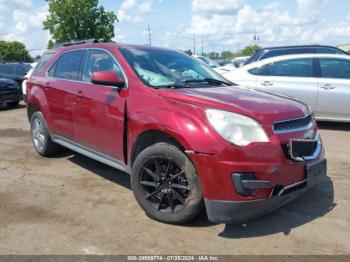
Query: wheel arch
{"x": 151, "y": 137}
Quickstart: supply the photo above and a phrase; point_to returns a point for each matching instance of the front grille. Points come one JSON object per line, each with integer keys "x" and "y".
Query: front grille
{"x": 293, "y": 124}
{"x": 302, "y": 150}
{"x": 9, "y": 97}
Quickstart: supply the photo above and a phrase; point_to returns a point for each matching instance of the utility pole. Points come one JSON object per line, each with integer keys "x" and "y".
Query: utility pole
{"x": 149, "y": 35}
{"x": 194, "y": 44}
{"x": 202, "y": 46}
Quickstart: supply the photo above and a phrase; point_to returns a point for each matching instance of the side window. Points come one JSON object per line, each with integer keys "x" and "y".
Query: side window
{"x": 260, "y": 71}
{"x": 291, "y": 68}
{"x": 335, "y": 68}
{"x": 99, "y": 60}
{"x": 325, "y": 50}
{"x": 51, "y": 72}
{"x": 68, "y": 65}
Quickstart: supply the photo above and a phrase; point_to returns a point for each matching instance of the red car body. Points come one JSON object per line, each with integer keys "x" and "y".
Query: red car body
{"x": 114, "y": 122}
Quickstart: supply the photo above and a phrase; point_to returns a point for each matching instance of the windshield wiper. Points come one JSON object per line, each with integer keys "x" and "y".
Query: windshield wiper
{"x": 208, "y": 80}
{"x": 174, "y": 86}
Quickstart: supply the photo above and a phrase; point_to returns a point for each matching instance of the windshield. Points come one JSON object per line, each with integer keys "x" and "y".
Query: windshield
{"x": 160, "y": 68}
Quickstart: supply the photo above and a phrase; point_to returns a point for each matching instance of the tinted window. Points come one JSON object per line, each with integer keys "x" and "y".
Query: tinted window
{"x": 99, "y": 60}
{"x": 289, "y": 51}
{"x": 8, "y": 69}
{"x": 68, "y": 65}
{"x": 44, "y": 58}
{"x": 273, "y": 53}
{"x": 335, "y": 68}
{"x": 21, "y": 70}
{"x": 327, "y": 50}
{"x": 292, "y": 68}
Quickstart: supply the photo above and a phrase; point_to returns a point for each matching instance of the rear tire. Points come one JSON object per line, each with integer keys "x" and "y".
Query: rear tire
{"x": 41, "y": 139}
{"x": 166, "y": 185}
{"x": 12, "y": 104}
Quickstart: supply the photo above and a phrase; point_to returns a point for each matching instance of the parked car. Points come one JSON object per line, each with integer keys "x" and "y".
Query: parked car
{"x": 14, "y": 71}
{"x": 268, "y": 52}
{"x": 10, "y": 93}
{"x": 207, "y": 61}
{"x": 211, "y": 63}
{"x": 320, "y": 80}
{"x": 183, "y": 132}
{"x": 232, "y": 66}
{"x": 25, "y": 79}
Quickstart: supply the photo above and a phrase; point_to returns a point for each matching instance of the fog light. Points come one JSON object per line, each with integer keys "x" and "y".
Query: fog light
{"x": 246, "y": 183}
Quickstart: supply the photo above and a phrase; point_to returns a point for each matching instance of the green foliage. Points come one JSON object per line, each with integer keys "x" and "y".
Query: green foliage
{"x": 249, "y": 50}
{"x": 13, "y": 51}
{"x": 50, "y": 44}
{"x": 189, "y": 52}
{"x": 226, "y": 54}
{"x": 72, "y": 20}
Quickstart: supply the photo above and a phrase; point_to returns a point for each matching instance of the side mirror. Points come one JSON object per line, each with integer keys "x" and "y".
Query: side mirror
{"x": 107, "y": 78}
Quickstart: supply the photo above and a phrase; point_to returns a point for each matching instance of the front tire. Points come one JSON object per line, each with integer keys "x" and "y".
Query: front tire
{"x": 166, "y": 185}
{"x": 41, "y": 139}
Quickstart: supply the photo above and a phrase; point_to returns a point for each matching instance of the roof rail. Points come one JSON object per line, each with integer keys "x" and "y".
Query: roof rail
{"x": 87, "y": 41}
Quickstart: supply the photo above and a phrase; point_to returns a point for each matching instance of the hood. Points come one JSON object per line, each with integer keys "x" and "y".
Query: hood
{"x": 6, "y": 80}
{"x": 262, "y": 106}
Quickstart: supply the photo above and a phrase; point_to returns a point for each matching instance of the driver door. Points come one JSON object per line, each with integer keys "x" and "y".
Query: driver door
{"x": 99, "y": 112}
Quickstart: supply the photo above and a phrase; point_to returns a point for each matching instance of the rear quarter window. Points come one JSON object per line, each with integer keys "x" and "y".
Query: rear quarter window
{"x": 44, "y": 58}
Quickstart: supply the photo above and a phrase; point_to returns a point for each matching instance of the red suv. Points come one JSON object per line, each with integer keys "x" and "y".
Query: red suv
{"x": 188, "y": 137}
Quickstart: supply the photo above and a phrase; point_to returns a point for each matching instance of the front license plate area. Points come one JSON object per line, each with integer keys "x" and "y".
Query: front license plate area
{"x": 315, "y": 172}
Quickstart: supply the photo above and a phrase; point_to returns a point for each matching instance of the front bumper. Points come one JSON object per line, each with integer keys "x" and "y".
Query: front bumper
{"x": 219, "y": 211}
{"x": 10, "y": 96}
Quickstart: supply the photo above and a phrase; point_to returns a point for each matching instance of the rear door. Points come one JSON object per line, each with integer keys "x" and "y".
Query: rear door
{"x": 99, "y": 112}
{"x": 60, "y": 90}
{"x": 294, "y": 77}
{"x": 334, "y": 91}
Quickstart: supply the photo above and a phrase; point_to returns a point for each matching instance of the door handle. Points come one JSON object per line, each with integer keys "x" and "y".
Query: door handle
{"x": 267, "y": 83}
{"x": 327, "y": 87}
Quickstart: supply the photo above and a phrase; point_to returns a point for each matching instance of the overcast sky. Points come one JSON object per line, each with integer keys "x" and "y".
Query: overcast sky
{"x": 222, "y": 24}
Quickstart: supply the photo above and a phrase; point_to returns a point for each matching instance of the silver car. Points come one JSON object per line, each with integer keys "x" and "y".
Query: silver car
{"x": 320, "y": 80}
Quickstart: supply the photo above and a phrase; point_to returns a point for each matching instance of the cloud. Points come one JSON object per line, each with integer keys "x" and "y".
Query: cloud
{"x": 217, "y": 6}
{"x": 26, "y": 25}
{"x": 145, "y": 7}
{"x": 225, "y": 22}
{"x": 134, "y": 10}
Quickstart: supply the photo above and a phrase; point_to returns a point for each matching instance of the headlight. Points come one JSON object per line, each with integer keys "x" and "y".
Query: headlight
{"x": 235, "y": 128}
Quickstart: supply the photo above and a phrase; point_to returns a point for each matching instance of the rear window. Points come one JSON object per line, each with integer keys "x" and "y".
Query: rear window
{"x": 289, "y": 51}
{"x": 8, "y": 69}
{"x": 22, "y": 69}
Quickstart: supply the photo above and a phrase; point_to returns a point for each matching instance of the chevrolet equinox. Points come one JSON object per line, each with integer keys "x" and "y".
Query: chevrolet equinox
{"x": 188, "y": 138}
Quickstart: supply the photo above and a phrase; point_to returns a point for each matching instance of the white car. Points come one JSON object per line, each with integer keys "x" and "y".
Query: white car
{"x": 320, "y": 80}
{"x": 26, "y": 77}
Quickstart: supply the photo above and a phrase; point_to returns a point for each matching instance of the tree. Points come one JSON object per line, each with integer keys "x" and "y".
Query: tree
{"x": 73, "y": 20}
{"x": 13, "y": 51}
{"x": 50, "y": 44}
{"x": 249, "y": 50}
{"x": 189, "y": 52}
{"x": 226, "y": 54}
